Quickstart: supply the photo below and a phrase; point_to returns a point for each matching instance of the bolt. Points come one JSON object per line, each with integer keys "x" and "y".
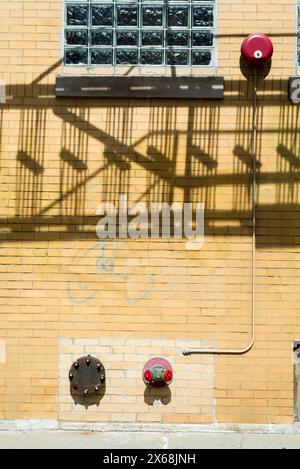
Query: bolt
{"x": 74, "y": 386}
{"x": 88, "y": 361}
{"x": 102, "y": 378}
{"x": 85, "y": 392}
{"x": 96, "y": 387}
{"x": 98, "y": 366}
{"x": 76, "y": 365}
{"x": 71, "y": 376}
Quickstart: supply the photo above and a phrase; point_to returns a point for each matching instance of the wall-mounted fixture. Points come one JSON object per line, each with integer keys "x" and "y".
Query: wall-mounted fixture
{"x": 95, "y": 86}
{"x": 157, "y": 372}
{"x": 257, "y": 49}
{"x": 87, "y": 379}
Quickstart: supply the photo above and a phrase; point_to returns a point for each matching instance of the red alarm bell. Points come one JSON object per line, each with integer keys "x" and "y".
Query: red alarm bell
{"x": 157, "y": 372}
{"x": 257, "y": 49}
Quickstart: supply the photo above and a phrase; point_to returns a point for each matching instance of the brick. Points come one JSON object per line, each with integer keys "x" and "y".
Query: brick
{"x": 59, "y": 160}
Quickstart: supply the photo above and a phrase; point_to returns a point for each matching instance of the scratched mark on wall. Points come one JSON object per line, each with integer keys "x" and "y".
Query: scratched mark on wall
{"x": 102, "y": 257}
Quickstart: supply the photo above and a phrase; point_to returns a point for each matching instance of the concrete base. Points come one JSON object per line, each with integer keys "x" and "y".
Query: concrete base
{"x": 135, "y": 440}
{"x": 53, "y": 434}
{"x": 43, "y": 424}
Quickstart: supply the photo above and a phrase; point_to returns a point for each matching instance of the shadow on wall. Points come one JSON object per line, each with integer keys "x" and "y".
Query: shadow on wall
{"x": 288, "y": 151}
{"x": 162, "y": 395}
{"x": 100, "y": 153}
{"x": 73, "y": 165}
{"x": 30, "y": 161}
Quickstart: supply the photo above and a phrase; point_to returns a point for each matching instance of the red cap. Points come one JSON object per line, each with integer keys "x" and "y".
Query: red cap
{"x": 168, "y": 375}
{"x": 148, "y": 376}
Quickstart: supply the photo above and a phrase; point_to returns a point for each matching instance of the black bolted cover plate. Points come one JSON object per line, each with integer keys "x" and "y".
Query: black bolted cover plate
{"x": 87, "y": 378}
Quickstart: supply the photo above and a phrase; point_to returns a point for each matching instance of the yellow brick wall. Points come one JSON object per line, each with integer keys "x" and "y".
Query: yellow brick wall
{"x": 59, "y": 158}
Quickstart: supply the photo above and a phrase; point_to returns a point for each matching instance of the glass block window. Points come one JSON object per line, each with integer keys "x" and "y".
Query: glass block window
{"x": 139, "y": 32}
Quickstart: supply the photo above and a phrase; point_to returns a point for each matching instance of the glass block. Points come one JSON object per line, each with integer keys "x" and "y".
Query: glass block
{"x": 146, "y": 32}
{"x": 76, "y": 56}
{"x": 126, "y": 56}
{"x": 127, "y": 15}
{"x": 152, "y": 16}
{"x": 101, "y": 56}
{"x": 177, "y": 57}
{"x": 151, "y": 57}
{"x": 201, "y": 57}
{"x": 202, "y": 38}
{"x": 152, "y": 38}
{"x": 101, "y": 38}
{"x": 177, "y": 38}
{"x": 76, "y": 37}
{"x": 178, "y": 16}
{"x": 127, "y": 38}
{"x": 77, "y": 15}
{"x": 203, "y": 16}
{"x": 102, "y": 15}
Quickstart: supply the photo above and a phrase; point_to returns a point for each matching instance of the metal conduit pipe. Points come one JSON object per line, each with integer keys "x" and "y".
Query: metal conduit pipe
{"x": 254, "y": 202}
